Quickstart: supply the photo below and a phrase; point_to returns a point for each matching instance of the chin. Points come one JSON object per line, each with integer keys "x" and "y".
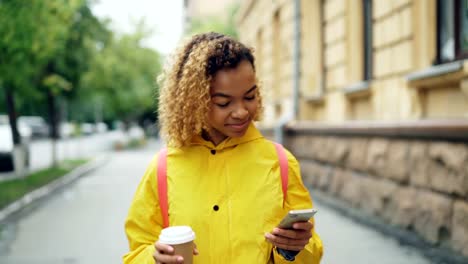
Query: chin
{"x": 237, "y": 134}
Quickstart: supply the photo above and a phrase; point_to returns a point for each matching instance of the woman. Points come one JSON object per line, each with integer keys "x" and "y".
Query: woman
{"x": 223, "y": 176}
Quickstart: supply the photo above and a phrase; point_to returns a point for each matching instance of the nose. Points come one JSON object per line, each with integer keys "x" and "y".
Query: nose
{"x": 240, "y": 113}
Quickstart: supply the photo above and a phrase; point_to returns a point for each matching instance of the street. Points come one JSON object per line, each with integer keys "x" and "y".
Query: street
{"x": 83, "y": 223}
{"x": 72, "y": 148}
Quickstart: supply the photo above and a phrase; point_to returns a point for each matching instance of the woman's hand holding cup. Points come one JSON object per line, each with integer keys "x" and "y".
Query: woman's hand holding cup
{"x": 175, "y": 245}
{"x": 165, "y": 254}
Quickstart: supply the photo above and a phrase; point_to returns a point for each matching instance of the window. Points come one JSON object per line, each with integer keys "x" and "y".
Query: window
{"x": 462, "y": 17}
{"x": 452, "y": 30}
{"x": 367, "y": 8}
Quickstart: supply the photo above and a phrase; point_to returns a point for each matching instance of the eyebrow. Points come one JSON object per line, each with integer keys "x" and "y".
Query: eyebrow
{"x": 228, "y": 96}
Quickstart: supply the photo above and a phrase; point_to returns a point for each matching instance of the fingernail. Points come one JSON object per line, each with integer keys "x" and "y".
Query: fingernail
{"x": 276, "y": 230}
{"x": 180, "y": 259}
{"x": 170, "y": 249}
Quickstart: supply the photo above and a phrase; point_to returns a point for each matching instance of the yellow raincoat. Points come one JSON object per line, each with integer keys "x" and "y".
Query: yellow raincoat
{"x": 229, "y": 194}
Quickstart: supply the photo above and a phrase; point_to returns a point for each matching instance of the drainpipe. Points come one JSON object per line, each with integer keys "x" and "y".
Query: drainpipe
{"x": 292, "y": 113}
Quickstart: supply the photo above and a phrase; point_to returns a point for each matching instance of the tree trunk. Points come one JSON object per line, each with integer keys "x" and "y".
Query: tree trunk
{"x": 53, "y": 118}
{"x": 12, "y": 115}
{"x": 19, "y": 151}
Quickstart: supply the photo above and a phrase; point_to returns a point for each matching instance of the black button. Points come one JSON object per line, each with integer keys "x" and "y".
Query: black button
{"x": 213, "y": 151}
{"x": 216, "y": 208}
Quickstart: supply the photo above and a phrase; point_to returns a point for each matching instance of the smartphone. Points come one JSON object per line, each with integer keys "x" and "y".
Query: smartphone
{"x": 296, "y": 216}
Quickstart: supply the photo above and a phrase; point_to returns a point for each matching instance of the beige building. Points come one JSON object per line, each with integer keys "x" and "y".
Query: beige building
{"x": 375, "y": 98}
{"x": 351, "y": 70}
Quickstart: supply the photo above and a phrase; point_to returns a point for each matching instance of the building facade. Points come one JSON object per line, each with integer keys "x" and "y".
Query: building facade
{"x": 375, "y": 97}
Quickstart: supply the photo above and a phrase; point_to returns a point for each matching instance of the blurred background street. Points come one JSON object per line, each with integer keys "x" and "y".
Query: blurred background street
{"x": 371, "y": 96}
{"x": 74, "y": 148}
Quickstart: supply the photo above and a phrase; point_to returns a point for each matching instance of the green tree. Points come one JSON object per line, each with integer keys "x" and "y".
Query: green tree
{"x": 221, "y": 24}
{"x": 61, "y": 76}
{"x": 31, "y": 32}
{"x": 121, "y": 82}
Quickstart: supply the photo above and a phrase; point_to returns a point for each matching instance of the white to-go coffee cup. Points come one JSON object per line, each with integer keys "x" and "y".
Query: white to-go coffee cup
{"x": 181, "y": 239}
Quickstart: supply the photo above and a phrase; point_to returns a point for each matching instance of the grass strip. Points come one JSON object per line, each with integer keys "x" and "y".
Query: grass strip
{"x": 12, "y": 190}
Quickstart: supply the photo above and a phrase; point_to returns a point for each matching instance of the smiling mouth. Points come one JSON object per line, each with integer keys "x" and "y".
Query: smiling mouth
{"x": 240, "y": 125}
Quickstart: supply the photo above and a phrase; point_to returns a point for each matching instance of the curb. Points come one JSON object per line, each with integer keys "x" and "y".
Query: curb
{"x": 6, "y": 176}
{"x": 52, "y": 186}
{"x": 437, "y": 254}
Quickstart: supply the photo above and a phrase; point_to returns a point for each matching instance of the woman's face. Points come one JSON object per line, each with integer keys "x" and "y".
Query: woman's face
{"x": 234, "y": 102}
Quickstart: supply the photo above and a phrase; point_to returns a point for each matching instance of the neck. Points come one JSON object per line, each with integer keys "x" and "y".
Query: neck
{"x": 213, "y": 136}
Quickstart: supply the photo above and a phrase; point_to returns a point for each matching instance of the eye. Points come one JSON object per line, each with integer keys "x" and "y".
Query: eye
{"x": 250, "y": 98}
{"x": 223, "y": 105}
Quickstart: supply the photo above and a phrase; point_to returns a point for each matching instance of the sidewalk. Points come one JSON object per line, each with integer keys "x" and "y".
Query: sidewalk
{"x": 51, "y": 187}
{"x": 69, "y": 148}
{"x": 82, "y": 223}
{"x": 347, "y": 241}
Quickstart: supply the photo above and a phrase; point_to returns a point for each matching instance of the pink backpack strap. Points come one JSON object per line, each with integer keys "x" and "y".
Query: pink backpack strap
{"x": 283, "y": 163}
{"x": 162, "y": 186}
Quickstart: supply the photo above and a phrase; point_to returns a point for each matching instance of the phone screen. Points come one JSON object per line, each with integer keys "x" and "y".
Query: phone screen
{"x": 296, "y": 216}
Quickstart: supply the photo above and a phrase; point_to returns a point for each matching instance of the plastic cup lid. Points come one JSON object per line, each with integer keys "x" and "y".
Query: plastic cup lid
{"x": 175, "y": 235}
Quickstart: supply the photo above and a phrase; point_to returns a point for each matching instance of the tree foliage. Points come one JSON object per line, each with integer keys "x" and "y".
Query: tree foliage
{"x": 221, "y": 24}
{"x": 60, "y": 47}
{"x": 122, "y": 77}
{"x": 58, "y": 51}
{"x": 31, "y": 33}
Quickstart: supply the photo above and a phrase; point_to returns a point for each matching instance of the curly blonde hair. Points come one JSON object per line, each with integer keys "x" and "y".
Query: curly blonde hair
{"x": 184, "y": 96}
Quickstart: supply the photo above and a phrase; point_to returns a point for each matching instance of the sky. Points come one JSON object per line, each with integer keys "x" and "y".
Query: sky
{"x": 165, "y": 17}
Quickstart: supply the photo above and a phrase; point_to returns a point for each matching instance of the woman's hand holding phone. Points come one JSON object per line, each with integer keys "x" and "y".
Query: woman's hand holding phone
{"x": 294, "y": 231}
{"x": 291, "y": 239}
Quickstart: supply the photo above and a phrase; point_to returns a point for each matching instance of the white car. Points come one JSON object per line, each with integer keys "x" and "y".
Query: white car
{"x": 66, "y": 130}
{"x": 37, "y": 125}
{"x": 101, "y": 127}
{"x": 6, "y": 143}
{"x": 87, "y": 128}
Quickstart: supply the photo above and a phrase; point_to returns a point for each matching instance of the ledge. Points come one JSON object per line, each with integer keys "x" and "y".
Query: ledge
{"x": 435, "y": 71}
{"x": 451, "y": 130}
{"x": 437, "y": 75}
{"x": 358, "y": 89}
{"x": 314, "y": 99}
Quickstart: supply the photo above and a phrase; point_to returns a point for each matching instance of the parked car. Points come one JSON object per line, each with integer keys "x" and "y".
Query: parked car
{"x": 38, "y": 126}
{"x": 6, "y": 143}
{"x": 66, "y": 130}
{"x": 87, "y": 128}
{"x": 101, "y": 127}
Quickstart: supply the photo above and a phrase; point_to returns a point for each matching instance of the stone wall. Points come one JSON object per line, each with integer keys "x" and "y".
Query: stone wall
{"x": 413, "y": 184}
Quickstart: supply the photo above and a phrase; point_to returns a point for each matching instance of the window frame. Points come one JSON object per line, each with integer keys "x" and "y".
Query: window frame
{"x": 367, "y": 40}
{"x": 459, "y": 54}
{"x": 458, "y": 30}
